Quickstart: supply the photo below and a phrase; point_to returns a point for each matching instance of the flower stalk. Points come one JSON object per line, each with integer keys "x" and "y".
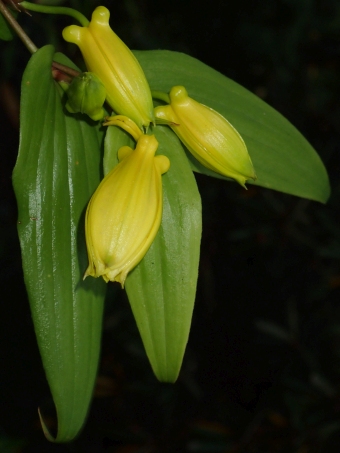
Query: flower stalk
{"x": 56, "y": 10}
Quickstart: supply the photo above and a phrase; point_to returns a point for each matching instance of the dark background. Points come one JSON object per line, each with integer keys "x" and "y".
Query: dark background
{"x": 262, "y": 371}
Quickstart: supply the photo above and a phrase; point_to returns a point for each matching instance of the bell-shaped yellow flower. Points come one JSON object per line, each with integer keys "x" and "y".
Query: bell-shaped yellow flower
{"x": 124, "y": 214}
{"x": 212, "y": 140}
{"x": 106, "y": 55}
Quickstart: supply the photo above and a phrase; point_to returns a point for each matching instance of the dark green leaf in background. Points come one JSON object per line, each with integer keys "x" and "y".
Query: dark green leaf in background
{"x": 57, "y": 170}
{"x": 282, "y": 157}
{"x": 162, "y": 288}
{"x": 6, "y": 32}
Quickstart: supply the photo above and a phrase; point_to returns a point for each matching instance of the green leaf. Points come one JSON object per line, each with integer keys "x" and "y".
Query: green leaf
{"x": 57, "y": 170}
{"x": 282, "y": 157}
{"x": 115, "y": 138}
{"x": 6, "y": 32}
{"x": 162, "y": 288}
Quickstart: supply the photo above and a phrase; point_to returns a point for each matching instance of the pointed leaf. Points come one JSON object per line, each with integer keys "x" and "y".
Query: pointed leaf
{"x": 162, "y": 288}
{"x": 57, "y": 170}
{"x": 282, "y": 157}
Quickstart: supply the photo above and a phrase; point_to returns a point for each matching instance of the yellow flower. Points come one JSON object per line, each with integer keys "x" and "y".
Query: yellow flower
{"x": 211, "y": 139}
{"x": 124, "y": 214}
{"x": 105, "y": 55}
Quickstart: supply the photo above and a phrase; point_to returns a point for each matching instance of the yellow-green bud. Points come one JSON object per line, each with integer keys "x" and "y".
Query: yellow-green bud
{"x": 124, "y": 214}
{"x": 105, "y": 55}
{"x": 86, "y": 94}
{"x": 211, "y": 139}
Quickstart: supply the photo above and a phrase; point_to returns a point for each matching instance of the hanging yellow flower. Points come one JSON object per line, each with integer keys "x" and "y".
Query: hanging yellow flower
{"x": 106, "y": 55}
{"x": 211, "y": 139}
{"x": 125, "y": 212}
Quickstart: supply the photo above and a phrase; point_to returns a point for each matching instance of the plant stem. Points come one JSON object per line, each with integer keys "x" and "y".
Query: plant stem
{"x": 65, "y": 69}
{"x": 161, "y": 96}
{"x": 56, "y": 10}
{"x": 18, "y": 30}
{"x": 30, "y": 45}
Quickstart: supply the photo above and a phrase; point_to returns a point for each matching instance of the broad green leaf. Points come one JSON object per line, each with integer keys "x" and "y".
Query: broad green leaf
{"x": 57, "y": 170}
{"x": 6, "y": 32}
{"x": 162, "y": 288}
{"x": 282, "y": 157}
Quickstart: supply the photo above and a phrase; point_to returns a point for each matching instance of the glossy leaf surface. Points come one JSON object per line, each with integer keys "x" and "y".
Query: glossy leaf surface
{"x": 57, "y": 170}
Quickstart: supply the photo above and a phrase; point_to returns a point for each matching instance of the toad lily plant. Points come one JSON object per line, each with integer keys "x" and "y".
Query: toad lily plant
{"x": 142, "y": 226}
{"x": 105, "y": 55}
{"x": 124, "y": 214}
{"x": 210, "y": 138}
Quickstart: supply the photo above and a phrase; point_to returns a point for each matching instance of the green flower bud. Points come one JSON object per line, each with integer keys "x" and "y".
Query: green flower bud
{"x": 86, "y": 94}
{"x": 210, "y": 138}
{"x": 125, "y": 212}
{"x": 106, "y": 55}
